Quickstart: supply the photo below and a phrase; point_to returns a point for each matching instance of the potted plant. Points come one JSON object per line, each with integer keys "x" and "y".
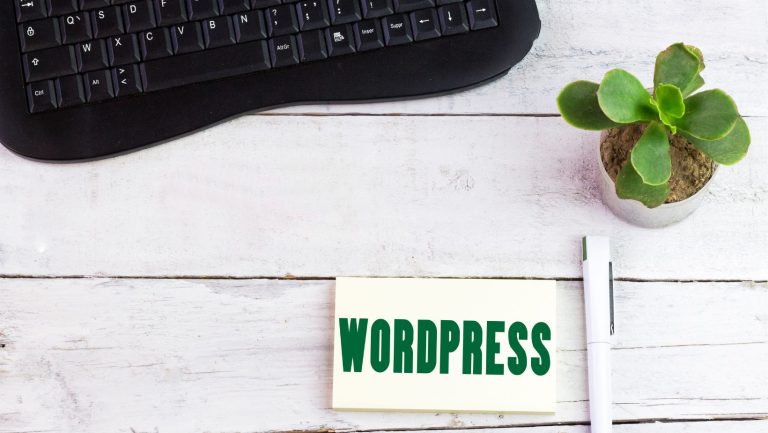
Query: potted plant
{"x": 660, "y": 148}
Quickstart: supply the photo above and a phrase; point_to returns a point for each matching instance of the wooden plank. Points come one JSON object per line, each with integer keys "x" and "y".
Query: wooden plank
{"x": 583, "y": 39}
{"x": 751, "y": 426}
{"x": 365, "y": 196}
{"x": 125, "y": 355}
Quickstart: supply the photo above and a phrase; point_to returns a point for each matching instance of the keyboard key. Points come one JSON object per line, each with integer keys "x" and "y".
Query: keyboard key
{"x": 235, "y": 6}
{"x": 107, "y": 22}
{"x": 41, "y": 97}
{"x": 412, "y": 5}
{"x": 282, "y": 20}
{"x": 312, "y": 46}
{"x": 368, "y": 35}
{"x": 98, "y": 86}
{"x": 63, "y": 7}
{"x": 27, "y": 10}
{"x": 37, "y": 35}
{"x": 156, "y": 44}
{"x": 250, "y": 26}
{"x": 50, "y": 63}
{"x": 187, "y": 38}
{"x": 205, "y": 65}
{"x": 127, "y": 80}
{"x": 425, "y": 25}
{"x": 341, "y": 40}
{"x": 169, "y": 12}
{"x": 202, "y": 9}
{"x": 482, "y": 14}
{"x": 218, "y": 32}
{"x": 313, "y": 14}
{"x": 139, "y": 16}
{"x": 261, "y": 4}
{"x": 93, "y": 4}
{"x": 283, "y": 51}
{"x": 92, "y": 55}
{"x": 76, "y": 28}
{"x": 453, "y": 19}
{"x": 377, "y": 8}
{"x": 70, "y": 91}
{"x": 123, "y": 50}
{"x": 397, "y": 30}
{"x": 345, "y": 11}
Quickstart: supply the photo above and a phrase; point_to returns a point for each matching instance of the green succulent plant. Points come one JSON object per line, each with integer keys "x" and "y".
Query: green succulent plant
{"x": 708, "y": 119}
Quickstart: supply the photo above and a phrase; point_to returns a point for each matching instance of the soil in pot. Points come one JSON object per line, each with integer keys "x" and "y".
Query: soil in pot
{"x": 691, "y": 169}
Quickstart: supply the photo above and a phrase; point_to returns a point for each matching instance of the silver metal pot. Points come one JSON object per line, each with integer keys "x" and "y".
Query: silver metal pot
{"x": 635, "y": 212}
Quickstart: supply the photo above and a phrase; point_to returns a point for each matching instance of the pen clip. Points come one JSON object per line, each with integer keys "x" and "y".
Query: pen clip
{"x": 610, "y": 291}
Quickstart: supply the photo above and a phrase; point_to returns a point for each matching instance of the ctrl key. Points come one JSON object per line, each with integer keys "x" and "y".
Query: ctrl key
{"x": 41, "y": 96}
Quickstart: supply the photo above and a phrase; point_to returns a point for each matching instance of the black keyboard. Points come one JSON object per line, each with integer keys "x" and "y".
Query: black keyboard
{"x": 95, "y": 75}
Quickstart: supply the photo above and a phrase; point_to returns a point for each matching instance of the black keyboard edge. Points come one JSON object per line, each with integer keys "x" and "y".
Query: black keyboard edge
{"x": 424, "y": 68}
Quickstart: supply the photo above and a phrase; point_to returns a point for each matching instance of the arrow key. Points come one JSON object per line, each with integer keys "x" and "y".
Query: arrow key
{"x": 424, "y": 23}
{"x": 482, "y": 14}
{"x": 127, "y": 80}
{"x": 453, "y": 19}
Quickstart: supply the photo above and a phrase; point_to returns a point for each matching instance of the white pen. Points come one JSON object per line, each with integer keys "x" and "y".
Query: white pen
{"x": 598, "y": 300}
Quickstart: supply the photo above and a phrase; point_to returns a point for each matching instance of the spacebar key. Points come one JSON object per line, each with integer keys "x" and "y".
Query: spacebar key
{"x": 205, "y": 65}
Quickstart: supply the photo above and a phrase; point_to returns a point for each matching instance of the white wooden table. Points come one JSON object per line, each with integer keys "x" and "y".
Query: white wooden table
{"x": 188, "y": 288}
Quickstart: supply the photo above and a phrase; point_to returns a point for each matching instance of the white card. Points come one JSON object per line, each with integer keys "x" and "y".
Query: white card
{"x": 446, "y": 345}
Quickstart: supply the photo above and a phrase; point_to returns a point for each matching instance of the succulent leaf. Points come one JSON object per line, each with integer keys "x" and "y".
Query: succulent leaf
{"x": 709, "y": 115}
{"x": 695, "y": 85}
{"x": 670, "y": 100}
{"x": 677, "y": 65}
{"x": 629, "y": 185}
{"x": 728, "y": 150}
{"x": 623, "y": 98}
{"x": 697, "y": 52}
{"x": 579, "y": 107}
{"x": 650, "y": 156}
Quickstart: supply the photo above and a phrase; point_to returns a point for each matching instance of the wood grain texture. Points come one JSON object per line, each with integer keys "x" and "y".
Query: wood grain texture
{"x": 583, "y": 39}
{"x": 365, "y": 196}
{"x": 433, "y": 194}
{"x": 92, "y": 355}
{"x": 751, "y": 426}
